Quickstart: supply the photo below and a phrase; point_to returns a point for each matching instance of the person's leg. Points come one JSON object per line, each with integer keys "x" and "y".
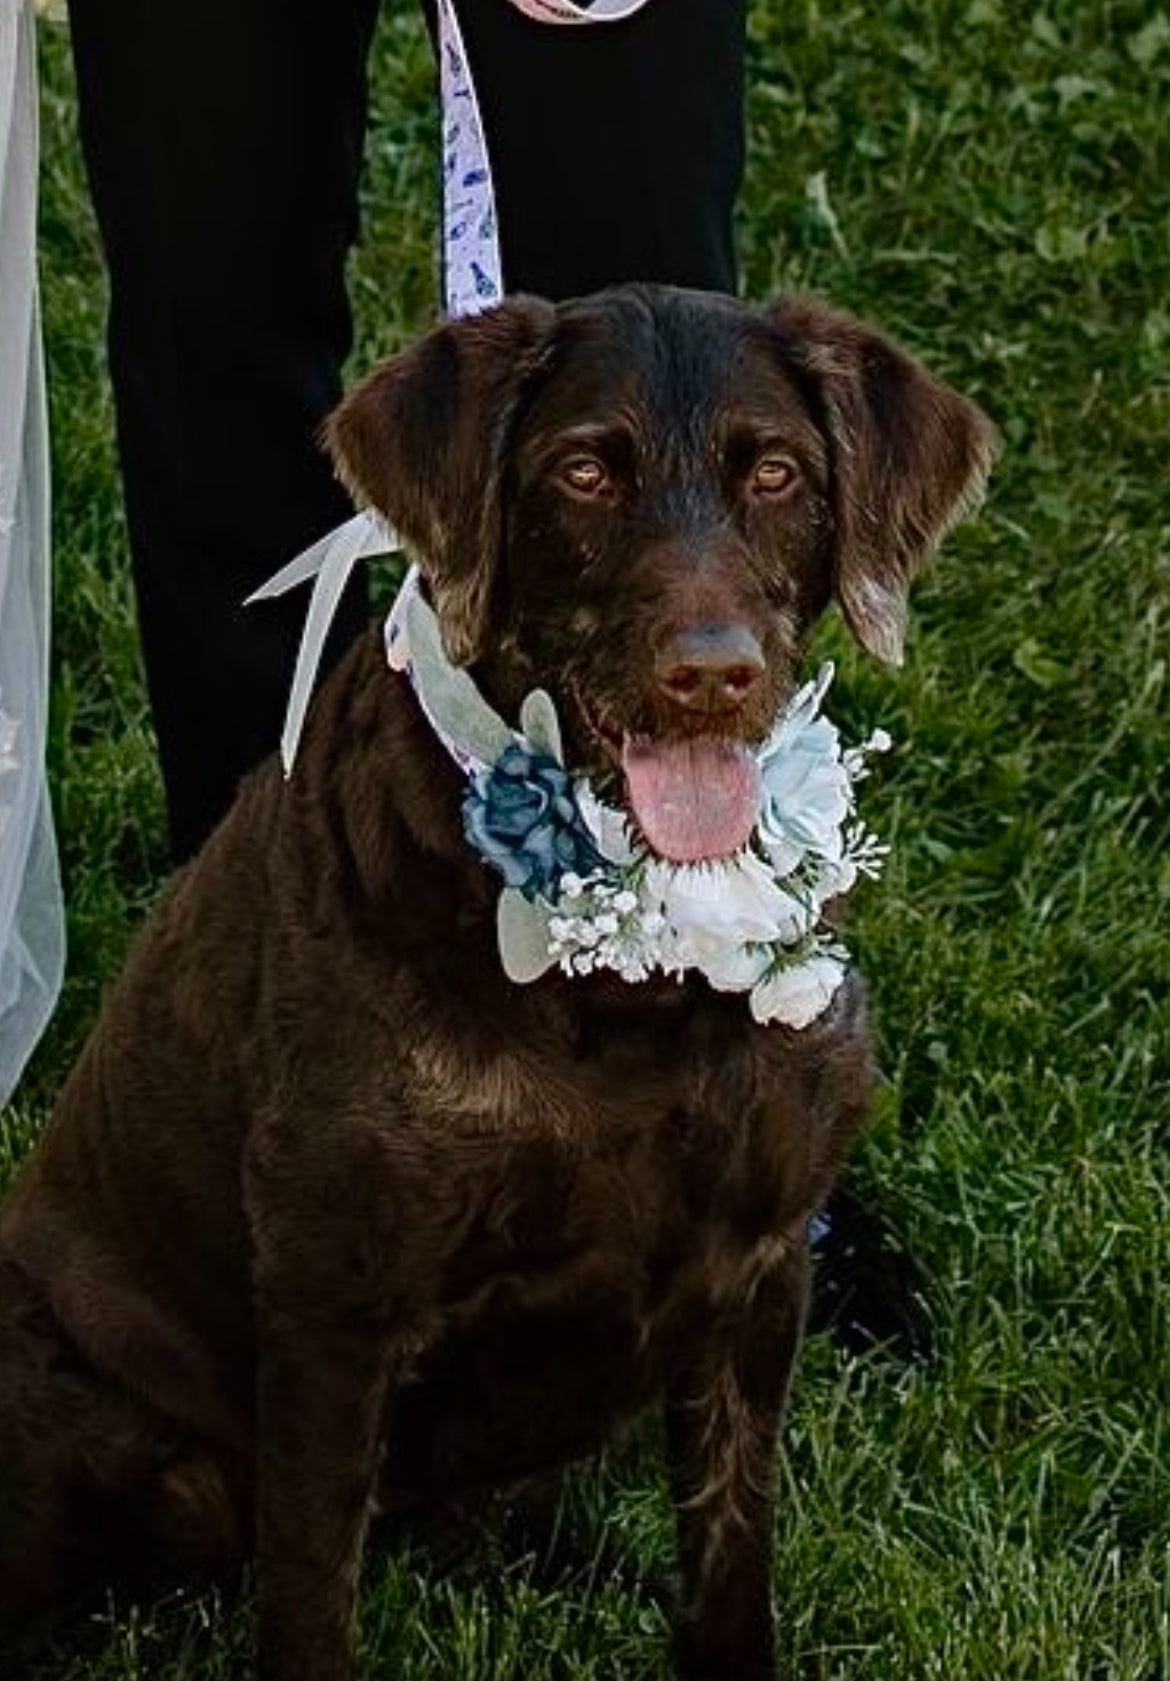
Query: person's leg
{"x": 617, "y": 154}
{"x": 616, "y": 149}
{"x": 223, "y": 142}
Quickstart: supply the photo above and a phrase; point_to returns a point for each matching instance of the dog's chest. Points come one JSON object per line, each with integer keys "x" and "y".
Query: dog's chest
{"x": 591, "y": 1256}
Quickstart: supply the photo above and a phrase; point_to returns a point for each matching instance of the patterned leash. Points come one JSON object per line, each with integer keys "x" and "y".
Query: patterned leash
{"x": 473, "y": 280}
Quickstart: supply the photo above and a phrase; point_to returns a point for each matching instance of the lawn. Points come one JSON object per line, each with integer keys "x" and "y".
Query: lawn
{"x": 992, "y": 184}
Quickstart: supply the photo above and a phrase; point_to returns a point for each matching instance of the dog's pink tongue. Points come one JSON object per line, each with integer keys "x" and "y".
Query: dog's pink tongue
{"x": 693, "y": 799}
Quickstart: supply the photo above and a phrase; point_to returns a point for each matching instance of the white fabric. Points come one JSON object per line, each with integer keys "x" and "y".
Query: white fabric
{"x": 32, "y": 940}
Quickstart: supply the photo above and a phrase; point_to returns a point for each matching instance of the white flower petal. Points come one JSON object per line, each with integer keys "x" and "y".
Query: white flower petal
{"x": 784, "y": 854}
{"x": 833, "y": 878}
{"x": 800, "y": 715}
{"x": 609, "y": 828}
{"x": 738, "y": 902}
{"x": 736, "y": 968}
{"x": 799, "y": 994}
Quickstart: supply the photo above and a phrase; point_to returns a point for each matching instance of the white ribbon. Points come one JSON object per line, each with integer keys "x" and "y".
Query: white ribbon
{"x": 473, "y": 280}
{"x": 329, "y": 562}
{"x": 473, "y": 274}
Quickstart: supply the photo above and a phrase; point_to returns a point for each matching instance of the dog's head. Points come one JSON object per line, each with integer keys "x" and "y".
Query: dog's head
{"x": 641, "y": 501}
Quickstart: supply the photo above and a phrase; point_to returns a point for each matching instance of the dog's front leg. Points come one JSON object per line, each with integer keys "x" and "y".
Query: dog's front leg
{"x": 321, "y": 1403}
{"x": 723, "y": 1418}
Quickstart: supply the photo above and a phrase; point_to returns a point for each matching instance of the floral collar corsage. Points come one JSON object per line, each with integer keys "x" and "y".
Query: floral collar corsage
{"x": 584, "y": 891}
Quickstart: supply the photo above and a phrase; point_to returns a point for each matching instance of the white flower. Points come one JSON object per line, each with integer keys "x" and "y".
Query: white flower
{"x": 597, "y": 924}
{"x": 855, "y": 759}
{"x": 806, "y": 702}
{"x": 807, "y": 784}
{"x": 722, "y": 919}
{"x": 610, "y": 829}
{"x": 800, "y": 993}
{"x": 731, "y": 968}
{"x": 737, "y": 902}
{"x": 832, "y": 878}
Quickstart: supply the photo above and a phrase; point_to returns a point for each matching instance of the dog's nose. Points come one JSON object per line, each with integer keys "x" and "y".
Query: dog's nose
{"x": 712, "y": 668}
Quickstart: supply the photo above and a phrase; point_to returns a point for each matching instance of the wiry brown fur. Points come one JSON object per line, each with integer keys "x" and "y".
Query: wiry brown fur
{"x": 330, "y": 1215}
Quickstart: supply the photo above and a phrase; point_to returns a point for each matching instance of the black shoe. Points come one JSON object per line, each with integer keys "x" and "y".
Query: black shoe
{"x": 866, "y": 1289}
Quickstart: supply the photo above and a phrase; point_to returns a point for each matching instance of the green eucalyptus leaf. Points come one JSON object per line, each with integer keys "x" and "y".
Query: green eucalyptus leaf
{"x": 449, "y": 694}
{"x": 522, "y": 928}
{"x": 540, "y": 726}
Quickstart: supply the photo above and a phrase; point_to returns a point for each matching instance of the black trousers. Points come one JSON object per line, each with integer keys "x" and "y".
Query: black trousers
{"x": 223, "y": 140}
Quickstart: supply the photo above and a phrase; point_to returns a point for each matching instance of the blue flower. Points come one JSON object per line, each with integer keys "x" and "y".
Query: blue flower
{"x": 522, "y": 817}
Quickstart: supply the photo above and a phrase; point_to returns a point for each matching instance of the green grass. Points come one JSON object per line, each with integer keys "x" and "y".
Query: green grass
{"x": 992, "y": 184}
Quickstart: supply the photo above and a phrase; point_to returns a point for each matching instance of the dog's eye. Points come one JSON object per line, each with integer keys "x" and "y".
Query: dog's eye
{"x": 774, "y": 475}
{"x": 586, "y": 475}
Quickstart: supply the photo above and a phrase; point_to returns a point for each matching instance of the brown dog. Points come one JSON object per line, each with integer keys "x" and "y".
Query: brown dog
{"x": 331, "y": 1217}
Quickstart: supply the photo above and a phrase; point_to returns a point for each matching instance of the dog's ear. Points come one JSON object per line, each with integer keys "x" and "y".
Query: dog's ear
{"x": 423, "y": 440}
{"x": 910, "y": 456}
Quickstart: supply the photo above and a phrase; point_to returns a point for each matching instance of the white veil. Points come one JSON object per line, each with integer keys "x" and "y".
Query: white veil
{"x": 31, "y": 919}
